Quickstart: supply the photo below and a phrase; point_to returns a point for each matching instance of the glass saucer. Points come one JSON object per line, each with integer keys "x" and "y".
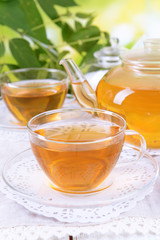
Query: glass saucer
{"x": 23, "y": 181}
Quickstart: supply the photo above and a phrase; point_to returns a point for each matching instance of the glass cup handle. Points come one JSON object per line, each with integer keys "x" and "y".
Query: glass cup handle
{"x": 136, "y": 141}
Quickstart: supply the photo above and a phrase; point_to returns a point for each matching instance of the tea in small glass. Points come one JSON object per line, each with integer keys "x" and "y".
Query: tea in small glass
{"x": 27, "y": 98}
{"x": 78, "y": 148}
{"x": 80, "y": 166}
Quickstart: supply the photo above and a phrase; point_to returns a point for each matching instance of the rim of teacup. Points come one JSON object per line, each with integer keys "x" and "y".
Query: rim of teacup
{"x": 93, "y": 110}
{"x": 64, "y": 78}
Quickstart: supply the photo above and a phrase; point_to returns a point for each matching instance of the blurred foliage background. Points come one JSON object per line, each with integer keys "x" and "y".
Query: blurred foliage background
{"x": 38, "y": 33}
{"x": 126, "y": 19}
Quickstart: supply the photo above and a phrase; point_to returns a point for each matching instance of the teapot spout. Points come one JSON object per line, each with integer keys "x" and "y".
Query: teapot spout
{"x": 83, "y": 92}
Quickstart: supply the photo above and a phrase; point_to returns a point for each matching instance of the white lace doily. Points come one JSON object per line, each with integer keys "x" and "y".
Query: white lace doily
{"x": 129, "y": 226}
{"x": 24, "y": 182}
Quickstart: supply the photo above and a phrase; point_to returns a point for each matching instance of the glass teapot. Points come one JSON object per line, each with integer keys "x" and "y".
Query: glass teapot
{"x": 131, "y": 90}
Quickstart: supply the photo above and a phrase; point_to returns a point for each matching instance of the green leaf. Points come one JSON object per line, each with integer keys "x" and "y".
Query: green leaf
{"x": 83, "y": 15}
{"x": 47, "y": 55}
{"x": 64, "y": 3}
{"x": 90, "y": 53}
{"x": 12, "y": 15}
{"x": 23, "y": 15}
{"x": 12, "y": 66}
{"x": 78, "y": 25}
{"x": 67, "y": 32}
{"x": 23, "y": 53}
{"x": 85, "y": 33}
{"x": 33, "y": 19}
{"x": 5, "y": 0}
{"x": 44, "y": 48}
{"x": 62, "y": 54}
{"x": 48, "y": 8}
{"x": 106, "y": 35}
{"x": 85, "y": 38}
{"x": 90, "y": 20}
{"x": 7, "y": 67}
{"x": 2, "y": 49}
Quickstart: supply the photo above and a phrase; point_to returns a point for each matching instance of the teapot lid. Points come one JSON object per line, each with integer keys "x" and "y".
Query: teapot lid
{"x": 146, "y": 57}
{"x": 108, "y": 57}
{"x": 105, "y": 58}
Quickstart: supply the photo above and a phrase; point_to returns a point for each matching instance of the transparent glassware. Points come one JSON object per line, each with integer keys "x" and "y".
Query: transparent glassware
{"x": 78, "y": 148}
{"x": 24, "y": 182}
{"x": 28, "y": 92}
{"x": 105, "y": 58}
{"x": 131, "y": 89}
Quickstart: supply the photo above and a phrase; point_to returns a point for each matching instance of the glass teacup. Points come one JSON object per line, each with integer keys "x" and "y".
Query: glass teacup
{"x": 28, "y": 92}
{"x": 78, "y": 148}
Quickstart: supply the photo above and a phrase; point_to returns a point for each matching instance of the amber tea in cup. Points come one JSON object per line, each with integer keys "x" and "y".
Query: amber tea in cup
{"x": 28, "y": 92}
{"x": 78, "y": 148}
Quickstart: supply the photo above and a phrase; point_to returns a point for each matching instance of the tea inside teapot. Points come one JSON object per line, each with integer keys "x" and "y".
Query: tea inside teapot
{"x": 131, "y": 90}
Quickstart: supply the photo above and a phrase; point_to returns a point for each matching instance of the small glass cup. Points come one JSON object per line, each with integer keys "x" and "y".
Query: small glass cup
{"x": 28, "y": 92}
{"x": 78, "y": 148}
